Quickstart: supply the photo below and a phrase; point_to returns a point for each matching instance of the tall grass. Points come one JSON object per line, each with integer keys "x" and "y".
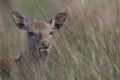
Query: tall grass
{"x": 86, "y": 48}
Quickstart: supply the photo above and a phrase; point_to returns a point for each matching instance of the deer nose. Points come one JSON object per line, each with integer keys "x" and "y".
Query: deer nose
{"x": 46, "y": 44}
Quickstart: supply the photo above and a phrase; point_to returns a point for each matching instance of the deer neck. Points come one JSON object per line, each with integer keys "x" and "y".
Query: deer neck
{"x": 33, "y": 62}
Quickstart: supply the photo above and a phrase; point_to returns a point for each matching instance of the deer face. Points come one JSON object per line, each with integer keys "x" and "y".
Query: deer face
{"x": 39, "y": 34}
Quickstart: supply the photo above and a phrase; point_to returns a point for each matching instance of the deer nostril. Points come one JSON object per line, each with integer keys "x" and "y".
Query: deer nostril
{"x": 46, "y": 44}
{"x": 39, "y": 48}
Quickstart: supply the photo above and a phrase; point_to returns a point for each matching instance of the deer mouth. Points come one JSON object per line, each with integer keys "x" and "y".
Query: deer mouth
{"x": 41, "y": 50}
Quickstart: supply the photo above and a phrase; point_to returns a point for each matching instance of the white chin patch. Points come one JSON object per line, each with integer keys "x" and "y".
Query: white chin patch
{"x": 44, "y": 50}
{"x": 48, "y": 50}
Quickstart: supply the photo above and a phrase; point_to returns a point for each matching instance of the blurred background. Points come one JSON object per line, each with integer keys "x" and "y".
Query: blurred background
{"x": 87, "y": 47}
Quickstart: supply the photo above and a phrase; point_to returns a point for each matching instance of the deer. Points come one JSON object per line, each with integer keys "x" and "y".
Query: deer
{"x": 8, "y": 69}
{"x": 32, "y": 63}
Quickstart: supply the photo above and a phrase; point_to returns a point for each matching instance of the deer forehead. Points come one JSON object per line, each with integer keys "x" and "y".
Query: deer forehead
{"x": 40, "y": 27}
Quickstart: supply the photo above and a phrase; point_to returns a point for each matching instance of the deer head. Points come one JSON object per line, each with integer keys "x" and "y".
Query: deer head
{"x": 39, "y": 34}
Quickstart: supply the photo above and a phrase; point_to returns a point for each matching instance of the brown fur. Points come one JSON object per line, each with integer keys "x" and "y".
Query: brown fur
{"x": 8, "y": 68}
{"x": 33, "y": 62}
{"x": 30, "y": 66}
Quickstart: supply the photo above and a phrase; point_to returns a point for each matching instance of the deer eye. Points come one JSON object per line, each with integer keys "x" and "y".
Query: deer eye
{"x": 31, "y": 34}
{"x": 51, "y": 33}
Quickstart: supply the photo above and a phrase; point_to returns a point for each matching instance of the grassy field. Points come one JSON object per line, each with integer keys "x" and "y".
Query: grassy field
{"x": 86, "y": 48}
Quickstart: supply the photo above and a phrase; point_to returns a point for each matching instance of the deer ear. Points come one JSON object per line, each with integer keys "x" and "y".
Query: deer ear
{"x": 19, "y": 19}
{"x": 58, "y": 21}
